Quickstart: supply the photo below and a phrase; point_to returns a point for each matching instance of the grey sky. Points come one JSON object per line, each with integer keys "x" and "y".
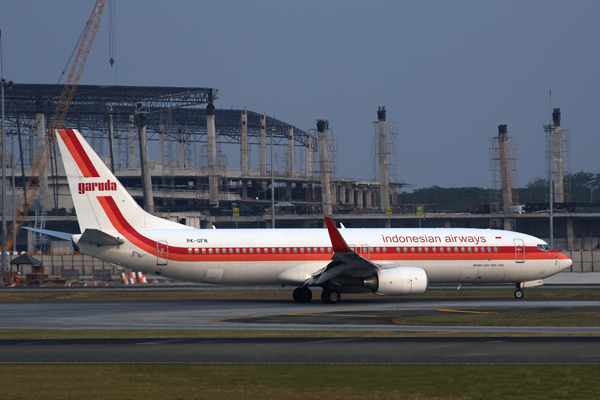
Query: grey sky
{"x": 449, "y": 72}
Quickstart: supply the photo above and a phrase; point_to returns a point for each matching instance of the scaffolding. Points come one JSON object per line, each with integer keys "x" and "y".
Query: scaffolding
{"x": 558, "y": 148}
{"x": 391, "y": 153}
{"x": 499, "y": 214}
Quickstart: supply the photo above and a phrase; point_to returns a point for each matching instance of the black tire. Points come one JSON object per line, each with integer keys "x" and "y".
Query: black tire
{"x": 519, "y": 294}
{"x": 330, "y": 296}
{"x": 296, "y": 294}
{"x": 304, "y": 295}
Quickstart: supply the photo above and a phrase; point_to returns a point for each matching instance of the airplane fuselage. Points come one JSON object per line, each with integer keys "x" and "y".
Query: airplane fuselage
{"x": 290, "y": 256}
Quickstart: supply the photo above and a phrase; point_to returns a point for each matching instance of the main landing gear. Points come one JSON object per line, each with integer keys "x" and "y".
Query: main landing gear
{"x": 328, "y": 296}
{"x": 302, "y": 295}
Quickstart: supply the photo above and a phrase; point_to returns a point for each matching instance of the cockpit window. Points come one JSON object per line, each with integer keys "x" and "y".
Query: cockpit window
{"x": 543, "y": 247}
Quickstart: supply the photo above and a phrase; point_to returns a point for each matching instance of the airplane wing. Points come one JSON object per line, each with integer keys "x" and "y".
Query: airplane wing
{"x": 344, "y": 260}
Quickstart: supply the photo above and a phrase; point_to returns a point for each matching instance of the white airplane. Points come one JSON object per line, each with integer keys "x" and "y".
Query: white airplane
{"x": 392, "y": 261}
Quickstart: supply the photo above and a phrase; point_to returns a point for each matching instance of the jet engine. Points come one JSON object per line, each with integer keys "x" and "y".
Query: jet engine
{"x": 398, "y": 280}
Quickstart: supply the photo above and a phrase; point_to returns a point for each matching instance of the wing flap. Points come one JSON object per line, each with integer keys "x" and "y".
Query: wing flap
{"x": 344, "y": 260}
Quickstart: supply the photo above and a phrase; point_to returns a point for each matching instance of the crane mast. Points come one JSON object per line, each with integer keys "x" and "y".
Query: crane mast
{"x": 39, "y": 167}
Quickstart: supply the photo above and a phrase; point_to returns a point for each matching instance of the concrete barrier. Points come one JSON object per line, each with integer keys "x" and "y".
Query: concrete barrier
{"x": 576, "y": 257}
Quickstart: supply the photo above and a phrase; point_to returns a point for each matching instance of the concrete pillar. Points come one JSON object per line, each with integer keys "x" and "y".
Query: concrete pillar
{"x": 111, "y": 140}
{"x": 181, "y": 150}
{"x": 308, "y": 156}
{"x": 288, "y": 190}
{"x": 342, "y": 190}
{"x": 291, "y": 151}
{"x": 244, "y": 143}
{"x": 557, "y": 158}
{"x": 368, "y": 198}
{"x": 447, "y": 223}
{"x": 131, "y": 144}
{"x": 263, "y": 145}
{"x": 244, "y": 189}
{"x": 40, "y": 121}
{"x": 383, "y": 159}
{"x": 570, "y": 233}
{"x": 145, "y": 164}
{"x": 505, "y": 174}
{"x": 324, "y": 167}
{"x": 213, "y": 182}
{"x": 161, "y": 144}
{"x": 359, "y": 198}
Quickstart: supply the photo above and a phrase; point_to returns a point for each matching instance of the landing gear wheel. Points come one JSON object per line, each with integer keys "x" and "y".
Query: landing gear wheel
{"x": 518, "y": 294}
{"x": 302, "y": 295}
{"x": 330, "y": 296}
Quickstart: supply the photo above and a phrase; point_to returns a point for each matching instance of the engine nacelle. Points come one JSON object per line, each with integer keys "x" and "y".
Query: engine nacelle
{"x": 396, "y": 281}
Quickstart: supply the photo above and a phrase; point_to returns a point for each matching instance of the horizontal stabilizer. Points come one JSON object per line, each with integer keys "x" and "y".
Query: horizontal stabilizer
{"x": 56, "y": 234}
{"x": 99, "y": 238}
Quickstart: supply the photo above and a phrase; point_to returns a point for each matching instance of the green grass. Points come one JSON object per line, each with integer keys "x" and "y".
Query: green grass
{"x": 587, "y": 318}
{"x": 40, "y": 334}
{"x": 107, "y": 295}
{"x": 348, "y": 382}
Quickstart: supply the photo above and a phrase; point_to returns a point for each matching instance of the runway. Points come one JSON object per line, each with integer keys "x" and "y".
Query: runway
{"x": 352, "y": 314}
{"x": 353, "y": 350}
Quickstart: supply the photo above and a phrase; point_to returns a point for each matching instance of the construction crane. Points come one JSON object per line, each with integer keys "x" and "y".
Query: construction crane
{"x": 37, "y": 171}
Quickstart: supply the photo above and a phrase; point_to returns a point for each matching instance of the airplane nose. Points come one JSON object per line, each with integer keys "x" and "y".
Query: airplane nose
{"x": 565, "y": 262}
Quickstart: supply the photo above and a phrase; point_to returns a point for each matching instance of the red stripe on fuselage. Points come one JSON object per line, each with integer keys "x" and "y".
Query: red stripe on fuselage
{"x": 504, "y": 254}
{"x": 76, "y": 149}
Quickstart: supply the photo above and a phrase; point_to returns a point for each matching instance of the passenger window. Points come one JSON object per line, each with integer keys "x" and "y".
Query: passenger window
{"x": 397, "y": 249}
{"x": 371, "y": 249}
{"x": 441, "y": 249}
{"x": 218, "y": 251}
{"x": 295, "y": 250}
{"x": 244, "y": 250}
{"x": 210, "y": 251}
{"x": 280, "y": 250}
{"x": 385, "y": 249}
{"x": 483, "y": 249}
{"x": 489, "y": 249}
{"x": 378, "y": 249}
{"x": 476, "y": 249}
{"x": 329, "y": 249}
{"x": 469, "y": 249}
{"x": 412, "y": 249}
{"x": 316, "y": 249}
{"x": 230, "y": 251}
{"x": 197, "y": 251}
{"x": 434, "y": 249}
{"x": 203, "y": 251}
{"x": 308, "y": 249}
{"x": 420, "y": 250}
{"x": 237, "y": 251}
{"x": 251, "y": 250}
{"x": 189, "y": 251}
{"x": 287, "y": 250}
{"x": 301, "y": 249}
{"x": 322, "y": 249}
{"x": 257, "y": 251}
{"x": 456, "y": 249}
{"x": 426, "y": 249}
{"x": 462, "y": 249}
{"x": 406, "y": 249}
{"x": 495, "y": 249}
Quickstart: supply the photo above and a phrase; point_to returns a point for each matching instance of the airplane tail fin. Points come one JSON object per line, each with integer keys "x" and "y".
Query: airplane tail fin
{"x": 101, "y": 202}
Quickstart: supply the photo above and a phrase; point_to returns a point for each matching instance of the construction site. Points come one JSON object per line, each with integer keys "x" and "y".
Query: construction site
{"x": 186, "y": 160}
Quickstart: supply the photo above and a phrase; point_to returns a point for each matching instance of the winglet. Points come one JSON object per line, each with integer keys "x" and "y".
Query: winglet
{"x": 337, "y": 241}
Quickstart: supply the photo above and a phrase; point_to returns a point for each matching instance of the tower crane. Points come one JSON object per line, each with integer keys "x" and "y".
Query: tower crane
{"x": 37, "y": 171}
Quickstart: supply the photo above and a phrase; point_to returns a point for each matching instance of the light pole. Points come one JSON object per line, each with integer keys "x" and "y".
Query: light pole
{"x": 592, "y": 188}
{"x": 272, "y": 183}
{"x": 4, "y": 253}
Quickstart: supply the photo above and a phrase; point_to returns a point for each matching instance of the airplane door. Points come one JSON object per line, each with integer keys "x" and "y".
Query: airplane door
{"x": 365, "y": 251}
{"x": 519, "y": 251}
{"x": 162, "y": 252}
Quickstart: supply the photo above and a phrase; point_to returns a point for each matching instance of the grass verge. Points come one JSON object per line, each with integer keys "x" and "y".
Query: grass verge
{"x": 155, "y": 295}
{"x": 41, "y": 334}
{"x": 221, "y": 382}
